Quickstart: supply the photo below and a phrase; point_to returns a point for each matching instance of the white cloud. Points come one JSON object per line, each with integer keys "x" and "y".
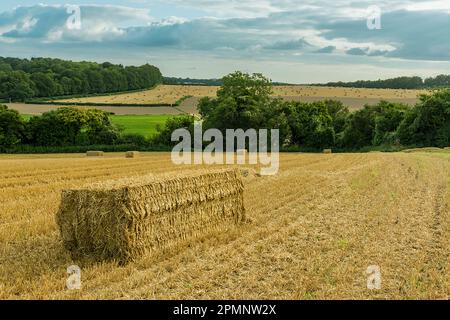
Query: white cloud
{"x": 438, "y": 5}
{"x": 49, "y": 23}
{"x": 245, "y": 29}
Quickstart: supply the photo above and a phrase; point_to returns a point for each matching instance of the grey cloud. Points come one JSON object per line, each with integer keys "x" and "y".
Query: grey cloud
{"x": 45, "y": 19}
{"x": 422, "y": 35}
{"x": 414, "y": 35}
{"x": 357, "y": 52}
{"x": 328, "y": 49}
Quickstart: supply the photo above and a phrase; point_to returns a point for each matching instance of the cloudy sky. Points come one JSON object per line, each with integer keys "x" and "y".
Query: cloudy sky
{"x": 299, "y": 41}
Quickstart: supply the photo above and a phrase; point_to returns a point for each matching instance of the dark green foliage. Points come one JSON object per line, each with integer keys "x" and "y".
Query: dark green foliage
{"x": 440, "y": 81}
{"x": 311, "y": 124}
{"x": 373, "y": 125}
{"x": 16, "y": 85}
{"x": 395, "y": 83}
{"x": 244, "y": 102}
{"x": 12, "y": 128}
{"x": 45, "y": 85}
{"x": 189, "y": 81}
{"x": 22, "y": 79}
{"x": 339, "y": 114}
{"x": 133, "y": 139}
{"x": 387, "y": 121}
{"x": 72, "y": 126}
{"x": 240, "y": 103}
{"x": 164, "y": 135}
{"x": 428, "y": 123}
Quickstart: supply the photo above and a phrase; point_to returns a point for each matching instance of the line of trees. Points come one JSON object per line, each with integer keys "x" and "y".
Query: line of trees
{"x": 244, "y": 101}
{"x": 440, "y": 81}
{"x": 189, "y": 81}
{"x": 22, "y": 79}
{"x": 65, "y": 129}
{"x": 61, "y": 127}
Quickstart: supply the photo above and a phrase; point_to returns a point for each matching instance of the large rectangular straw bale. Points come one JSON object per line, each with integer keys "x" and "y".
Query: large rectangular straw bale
{"x": 94, "y": 153}
{"x": 127, "y": 218}
{"x": 327, "y": 151}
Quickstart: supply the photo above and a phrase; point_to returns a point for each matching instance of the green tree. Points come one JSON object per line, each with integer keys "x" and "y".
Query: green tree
{"x": 16, "y": 85}
{"x": 339, "y": 113}
{"x": 12, "y": 128}
{"x": 387, "y": 122}
{"x": 239, "y": 104}
{"x": 164, "y": 135}
{"x": 44, "y": 84}
{"x": 311, "y": 124}
{"x": 99, "y": 128}
{"x": 360, "y": 128}
{"x": 428, "y": 123}
{"x": 72, "y": 126}
{"x": 41, "y": 77}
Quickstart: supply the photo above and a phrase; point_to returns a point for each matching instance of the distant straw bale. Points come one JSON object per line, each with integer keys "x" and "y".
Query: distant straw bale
{"x": 124, "y": 219}
{"x": 327, "y": 151}
{"x": 95, "y": 153}
{"x": 132, "y": 154}
{"x": 427, "y": 149}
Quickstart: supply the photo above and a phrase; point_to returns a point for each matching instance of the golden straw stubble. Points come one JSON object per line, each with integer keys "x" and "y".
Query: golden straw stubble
{"x": 95, "y": 153}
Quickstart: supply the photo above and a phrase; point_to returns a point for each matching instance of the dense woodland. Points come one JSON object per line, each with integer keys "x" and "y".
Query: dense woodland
{"x": 22, "y": 79}
{"x": 203, "y": 82}
{"x": 189, "y": 81}
{"x": 244, "y": 101}
{"x": 440, "y": 81}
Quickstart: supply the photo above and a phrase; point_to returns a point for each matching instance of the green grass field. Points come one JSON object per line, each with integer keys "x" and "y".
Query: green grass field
{"x": 144, "y": 125}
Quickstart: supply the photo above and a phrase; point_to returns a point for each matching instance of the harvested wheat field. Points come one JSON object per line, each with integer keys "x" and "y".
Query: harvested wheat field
{"x": 310, "y": 233}
{"x": 36, "y": 109}
{"x": 354, "y": 97}
{"x": 161, "y": 94}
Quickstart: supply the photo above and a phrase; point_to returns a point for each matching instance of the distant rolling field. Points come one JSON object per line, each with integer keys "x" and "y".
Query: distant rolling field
{"x": 352, "y": 97}
{"x": 36, "y": 109}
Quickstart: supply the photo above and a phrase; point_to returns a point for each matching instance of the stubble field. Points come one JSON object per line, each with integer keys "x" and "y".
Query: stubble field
{"x": 353, "y": 97}
{"x": 314, "y": 229}
{"x": 189, "y": 96}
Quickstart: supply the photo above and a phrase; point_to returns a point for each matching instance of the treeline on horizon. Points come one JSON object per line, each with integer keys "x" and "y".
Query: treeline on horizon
{"x": 244, "y": 102}
{"x": 440, "y": 81}
{"x": 203, "y": 82}
{"x": 23, "y": 79}
{"x": 189, "y": 81}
